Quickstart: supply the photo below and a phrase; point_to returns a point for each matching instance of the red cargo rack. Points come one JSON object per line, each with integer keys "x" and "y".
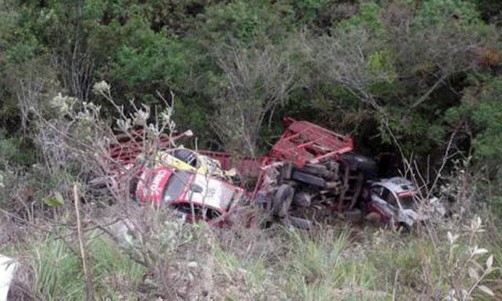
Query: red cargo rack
{"x": 304, "y": 142}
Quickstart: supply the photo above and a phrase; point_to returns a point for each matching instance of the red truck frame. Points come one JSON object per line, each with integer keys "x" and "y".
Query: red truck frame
{"x": 310, "y": 174}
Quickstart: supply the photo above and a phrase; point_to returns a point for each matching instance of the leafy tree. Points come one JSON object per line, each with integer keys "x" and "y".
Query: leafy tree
{"x": 477, "y": 120}
{"x": 399, "y": 64}
{"x": 479, "y": 117}
{"x": 243, "y": 23}
{"x": 257, "y": 83}
{"x": 491, "y": 10}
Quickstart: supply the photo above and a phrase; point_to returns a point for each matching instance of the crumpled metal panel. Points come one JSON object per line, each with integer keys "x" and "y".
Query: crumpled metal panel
{"x": 7, "y": 269}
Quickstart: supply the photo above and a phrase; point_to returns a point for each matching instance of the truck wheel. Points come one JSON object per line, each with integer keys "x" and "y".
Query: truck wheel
{"x": 403, "y": 228}
{"x": 360, "y": 162}
{"x": 308, "y": 178}
{"x": 300, "y": 223}
{"x": 282, "y": 200}
{"x": 302, "y": 199}
{"x": 315, "y": 169}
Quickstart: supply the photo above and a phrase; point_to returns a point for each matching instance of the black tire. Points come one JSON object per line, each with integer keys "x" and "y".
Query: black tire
{"x": 287, "y": 171}
{"x": 302, "y": 199}
{"x": 360, "y": 162}
{"x": 282, "y": 200}
{"x": 403, "y": 228}
{"x": 308, "y": 178}
{"x": 316, "y": 169}
{"x": 301, "y": 223}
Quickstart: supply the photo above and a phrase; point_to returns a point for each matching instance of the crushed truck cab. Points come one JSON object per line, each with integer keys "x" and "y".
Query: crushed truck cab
{"x": 311, "y": 175}
{"x": 191, "y": 195}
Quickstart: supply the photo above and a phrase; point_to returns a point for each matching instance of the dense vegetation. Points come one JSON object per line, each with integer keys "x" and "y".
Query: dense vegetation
{"x": 421, "y": 69}
{"x": 417, "y": 70}
{"x": 420, "y": 79}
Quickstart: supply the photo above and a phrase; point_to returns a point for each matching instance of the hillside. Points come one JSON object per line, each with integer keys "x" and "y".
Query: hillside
{"x": 416, "y": 84}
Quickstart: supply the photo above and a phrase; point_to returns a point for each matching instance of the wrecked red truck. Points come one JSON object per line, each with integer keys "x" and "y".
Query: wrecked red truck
{"x": 311, "y": 175}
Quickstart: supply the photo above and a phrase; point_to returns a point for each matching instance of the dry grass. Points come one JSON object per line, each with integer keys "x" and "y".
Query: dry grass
{"x": 163, "y": 258}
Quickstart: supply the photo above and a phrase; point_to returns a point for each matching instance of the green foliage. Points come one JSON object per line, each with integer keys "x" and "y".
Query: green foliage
{"x": 417, "y": 133}
{"x": 13, "y": 150}
{"x": 257, "y": 82}
{"x": 58, "y": 272}
{"x": 491, "y": 10}
{"x": 137, "y": 60}
{"x": 368, "y": 18}
{"x": 115, "y": 274}
{"x": 147, "y": 61}
{"x": 381, "y": 65}
{"x": 483, "y": 113}
{"x": 54, "y": 201}
{"x": 488, "y": 143}
{"x": 478, "y": 118}
{"x": 23, "y": 48}
{"x": 189, "y": 113}
{"x": 244, "y": 23}
{"x": 93, "y": 11}
{"x": 441, "y": 12}
{"x": 308, "y": 10}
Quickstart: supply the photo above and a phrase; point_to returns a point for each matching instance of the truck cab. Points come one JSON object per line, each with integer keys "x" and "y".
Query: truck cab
{"x": 191, "y": 195}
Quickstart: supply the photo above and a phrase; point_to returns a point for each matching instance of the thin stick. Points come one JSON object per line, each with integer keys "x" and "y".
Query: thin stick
{"x": 87, "y": 275}
{"x": 394, "y": 289}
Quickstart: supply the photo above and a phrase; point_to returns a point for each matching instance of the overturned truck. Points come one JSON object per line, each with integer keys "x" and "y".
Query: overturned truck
{"x": 311, "y": 175}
